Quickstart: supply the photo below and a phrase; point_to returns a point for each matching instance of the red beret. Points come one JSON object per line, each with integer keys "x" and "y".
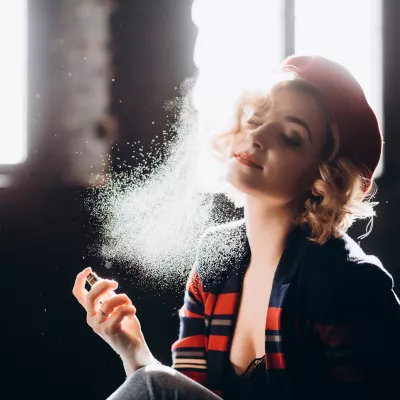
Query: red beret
{"x": 360, "y": 137}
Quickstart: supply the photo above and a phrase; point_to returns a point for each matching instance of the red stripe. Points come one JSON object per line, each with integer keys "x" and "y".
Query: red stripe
{"x": 209, "y": 304}
{"x": 199, "y": 377}
{"x": 190, "y": 341}
{"x": 275, "y": 361}
{"x": 219, "y": 343}
{"x": 273, "y": 318}
{"x": 226, "y": 303}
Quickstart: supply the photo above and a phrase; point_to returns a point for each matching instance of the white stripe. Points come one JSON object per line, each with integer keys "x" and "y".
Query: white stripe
{"x": 189, "y": 360}
{"x": 189, "y": 366}
{"x": 221, "y": 322}
{"x": 272, "y": 338}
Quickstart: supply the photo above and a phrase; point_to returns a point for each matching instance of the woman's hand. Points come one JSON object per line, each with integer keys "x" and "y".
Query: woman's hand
{"x": 120, "y": 328}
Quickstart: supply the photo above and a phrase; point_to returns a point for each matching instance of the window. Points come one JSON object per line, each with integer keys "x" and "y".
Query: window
{"x": 13, "y": 75}
{"x": 237, "y": 42}
{"x": 349, "y": 32}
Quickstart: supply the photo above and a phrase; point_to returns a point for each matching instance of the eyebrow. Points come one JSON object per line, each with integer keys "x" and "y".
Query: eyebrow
{"x": 291, "y": 118}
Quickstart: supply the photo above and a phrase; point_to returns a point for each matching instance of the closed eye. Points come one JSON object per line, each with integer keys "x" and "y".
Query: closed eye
{"x": 292, "y": 142}
{"x": 253, "y": 122}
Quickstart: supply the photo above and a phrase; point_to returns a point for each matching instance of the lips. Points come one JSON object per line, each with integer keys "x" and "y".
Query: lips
{"x": 247, "y": 159}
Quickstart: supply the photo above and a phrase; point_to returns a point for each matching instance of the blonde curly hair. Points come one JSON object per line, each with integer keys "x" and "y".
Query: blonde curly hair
{"x": 339, "y": 196}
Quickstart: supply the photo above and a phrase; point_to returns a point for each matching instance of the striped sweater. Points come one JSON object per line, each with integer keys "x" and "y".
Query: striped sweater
{"x": 333, "y": 324}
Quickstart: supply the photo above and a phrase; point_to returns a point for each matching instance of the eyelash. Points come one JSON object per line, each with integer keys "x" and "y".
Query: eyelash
{"x": 291, "y": 142}
{"x": 252, "y": 122}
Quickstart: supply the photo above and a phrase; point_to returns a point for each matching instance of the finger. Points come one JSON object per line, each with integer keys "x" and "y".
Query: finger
{"x": 98, "y": 290}
{"x": 114, "y": 321}
{"x": 109, "y": 307}
{"x": 79, "y": 290}
{"x": 119, "y": 300}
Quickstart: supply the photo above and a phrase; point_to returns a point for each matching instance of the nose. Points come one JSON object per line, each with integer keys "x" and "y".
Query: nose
{"x": 258, "y": 138}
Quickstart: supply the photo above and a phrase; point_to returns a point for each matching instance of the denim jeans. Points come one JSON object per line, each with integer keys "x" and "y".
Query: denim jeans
{"x": 159, "y": 382}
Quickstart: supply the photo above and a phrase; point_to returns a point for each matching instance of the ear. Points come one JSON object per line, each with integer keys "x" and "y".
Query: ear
{"x": 315, "y": 197}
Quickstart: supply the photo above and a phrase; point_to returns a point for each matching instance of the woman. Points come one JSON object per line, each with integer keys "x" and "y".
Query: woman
{"x": 297, "y": 309}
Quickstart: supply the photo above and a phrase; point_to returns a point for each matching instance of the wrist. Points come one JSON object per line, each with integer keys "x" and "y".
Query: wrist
{"x": 136, "y": 361}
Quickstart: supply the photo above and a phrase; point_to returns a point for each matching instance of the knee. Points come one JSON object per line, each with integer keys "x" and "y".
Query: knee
{"x": 144, "y": 384}
{"x": 160, "y": 382}
{"x": 152, "y": 382}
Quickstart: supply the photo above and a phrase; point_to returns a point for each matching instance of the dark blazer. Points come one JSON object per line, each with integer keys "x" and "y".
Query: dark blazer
{"x": 333, "y": 324}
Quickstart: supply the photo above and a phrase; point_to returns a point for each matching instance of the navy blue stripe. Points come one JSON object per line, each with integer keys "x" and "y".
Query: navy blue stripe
{"x": 215, "y": 357}
{"x": 215, "y": 361}
{"x": 220, "y": 330}
{"x": 273, "y": 332}
{"x": 233, "y": 282}
{"x": 178, "y": 368}
{"x": 189, "y": 357}
{"x": 188, "y": 349}
{"x": 278, "y": 293}
{"x": 191, "y": 327}
{"x": 192, "y": 297}
{"x": 196, "y": 308}
{"x": 273, "y": 347}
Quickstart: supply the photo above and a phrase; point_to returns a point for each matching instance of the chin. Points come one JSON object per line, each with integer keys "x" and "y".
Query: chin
{"x": 242, "y": 182}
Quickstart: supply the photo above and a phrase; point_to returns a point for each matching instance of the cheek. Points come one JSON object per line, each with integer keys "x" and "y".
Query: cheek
{"x": 295, "y": 171}
{"x": 238, "y": 139}
{"x": 303, "y": 174}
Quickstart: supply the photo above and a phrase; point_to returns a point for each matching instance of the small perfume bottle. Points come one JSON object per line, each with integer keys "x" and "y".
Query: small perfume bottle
{"x": 92, "y": 278}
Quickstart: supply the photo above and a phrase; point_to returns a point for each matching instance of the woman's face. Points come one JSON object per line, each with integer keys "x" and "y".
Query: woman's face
{"x": 276, "y": 152}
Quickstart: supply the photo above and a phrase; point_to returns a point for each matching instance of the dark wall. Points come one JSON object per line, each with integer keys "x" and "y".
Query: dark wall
{"x": 48, "y": 349}
{"x": 153, "y": 54}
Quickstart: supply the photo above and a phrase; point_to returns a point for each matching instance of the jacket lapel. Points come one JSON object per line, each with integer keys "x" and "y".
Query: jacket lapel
{"x": 226, "y": 290}
{"x": 279, "y": 306}
{"x": 288, "y": 266}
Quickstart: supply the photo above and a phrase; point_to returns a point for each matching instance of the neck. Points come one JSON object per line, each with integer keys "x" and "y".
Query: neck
{"x": 267, "y": 228}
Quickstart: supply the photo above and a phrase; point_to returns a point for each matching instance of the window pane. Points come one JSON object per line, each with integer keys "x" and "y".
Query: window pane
{"x": 13, "y": 71}
{"x": 349, "y": 32}
{"x": 237, "y": 43}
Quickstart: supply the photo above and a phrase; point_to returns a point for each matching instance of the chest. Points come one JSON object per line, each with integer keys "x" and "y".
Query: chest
{"x": 248, "y": 341}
